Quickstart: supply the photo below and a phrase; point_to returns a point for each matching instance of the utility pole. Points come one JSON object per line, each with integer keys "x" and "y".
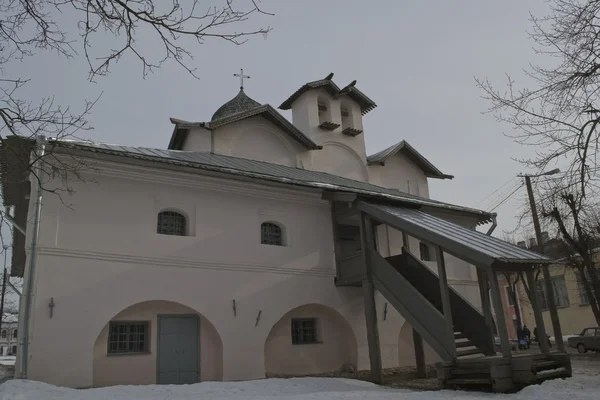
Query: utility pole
{"x": 5, "y": 248}
{"x": 545, "y": 271}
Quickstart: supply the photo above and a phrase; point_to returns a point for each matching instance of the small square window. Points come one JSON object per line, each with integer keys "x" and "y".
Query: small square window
{"x": 128, "y": 337}
{"x": 304, "y": 331}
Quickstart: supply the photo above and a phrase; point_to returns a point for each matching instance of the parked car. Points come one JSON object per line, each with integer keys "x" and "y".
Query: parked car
{"x": 588, "y": 339}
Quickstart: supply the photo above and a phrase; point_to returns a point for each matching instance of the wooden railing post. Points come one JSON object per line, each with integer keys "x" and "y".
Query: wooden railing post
{"x": 486, "y": 307}
{"x": 366, "y": 233}
{"x": 500, "y": 320}
{"x": 446, "y": 307}
{"x": 417, "y": 339}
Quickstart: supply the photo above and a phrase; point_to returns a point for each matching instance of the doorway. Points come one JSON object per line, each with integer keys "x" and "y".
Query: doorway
{"x": 178, "y": 355}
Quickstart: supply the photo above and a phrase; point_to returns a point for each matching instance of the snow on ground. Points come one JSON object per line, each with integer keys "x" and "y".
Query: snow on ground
{"x": 579, "y": 388}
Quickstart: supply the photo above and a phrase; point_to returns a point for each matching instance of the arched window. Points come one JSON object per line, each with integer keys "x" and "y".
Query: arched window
{"x": 171, "y": 223}
{"x": 14, "y": 333}
{"x": 271, "y": 233}
{"x": 3, "y": 334}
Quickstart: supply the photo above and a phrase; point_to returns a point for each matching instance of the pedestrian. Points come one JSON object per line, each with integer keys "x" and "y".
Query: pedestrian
{"x": 527, "y": 335}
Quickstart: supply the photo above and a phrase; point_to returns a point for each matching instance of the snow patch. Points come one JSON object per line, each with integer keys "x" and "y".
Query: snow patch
{"x": 578, "y": 388}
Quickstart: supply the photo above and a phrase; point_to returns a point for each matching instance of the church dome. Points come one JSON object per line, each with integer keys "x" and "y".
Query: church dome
{"x": 239, "y": 103}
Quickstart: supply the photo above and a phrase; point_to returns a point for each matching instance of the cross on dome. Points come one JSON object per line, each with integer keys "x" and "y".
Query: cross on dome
{"x": 241, "y": 76}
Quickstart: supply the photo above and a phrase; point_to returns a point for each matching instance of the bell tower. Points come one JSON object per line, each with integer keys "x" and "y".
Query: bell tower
{"x": 332, "y": 118}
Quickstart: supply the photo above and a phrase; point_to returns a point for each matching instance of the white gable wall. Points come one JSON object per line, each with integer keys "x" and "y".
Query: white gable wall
{"x": 256, "y": 139}
{"x": 198, "y": 139}
{"x": 400, "y": 173}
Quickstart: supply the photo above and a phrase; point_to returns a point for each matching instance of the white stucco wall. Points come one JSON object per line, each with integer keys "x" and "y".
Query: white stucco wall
{"x": 400, "y": 173}
{"x": 102, "y": 256}
{"x": 198, "y": 139}
{"x": 341, "y": 154}
{"x": 256, "y": 139}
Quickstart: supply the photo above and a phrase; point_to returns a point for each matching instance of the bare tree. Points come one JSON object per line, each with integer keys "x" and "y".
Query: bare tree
{"x": 559, "y": 113}
{"x": 577, "y": 219}
{"x": 72, "y": 28}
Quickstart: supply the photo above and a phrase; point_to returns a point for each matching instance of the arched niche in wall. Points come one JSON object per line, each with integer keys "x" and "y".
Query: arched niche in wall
{"x": 114, "y": 362}
{"x": 310, "y": 339}
{"x": 339, "y": 159}
{"x": 264, "y": 143}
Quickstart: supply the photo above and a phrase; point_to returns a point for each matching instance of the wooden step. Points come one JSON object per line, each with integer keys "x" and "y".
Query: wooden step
{"x": 458, "y": 335}
{"x": 473, "y": 373}
{"x": 553, "y": 374}
{"x": 545, "y": 365}
{"x": 464, "y": 344}
{"x": 469, "y": 381}
{"x": 468, "y": 352}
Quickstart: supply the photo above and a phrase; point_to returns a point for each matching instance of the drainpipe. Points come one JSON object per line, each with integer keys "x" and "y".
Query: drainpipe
{"x": 494, "y": 224}
{"x": 26, "y": 298}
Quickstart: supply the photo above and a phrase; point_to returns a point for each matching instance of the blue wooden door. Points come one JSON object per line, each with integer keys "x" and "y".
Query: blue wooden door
{"x": 178, "y": 349}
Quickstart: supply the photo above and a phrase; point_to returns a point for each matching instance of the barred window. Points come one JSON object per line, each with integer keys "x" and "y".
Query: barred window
{"x": 15, "y": 333}
{"x": 128, "y": 337}
{"x": 171, "y": 223}
{"x": 270, "y": 233}
{"x": 560, "y": 292}
{"x": 3, "y": 333}
{"x": 304, "y": 331}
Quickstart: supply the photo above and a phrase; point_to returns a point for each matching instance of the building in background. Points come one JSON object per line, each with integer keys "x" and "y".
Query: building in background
{"x": 8, "y": 335}
{"x": 573, "y": 305}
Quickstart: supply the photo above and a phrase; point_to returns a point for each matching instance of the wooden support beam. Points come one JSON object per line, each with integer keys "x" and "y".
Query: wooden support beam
{"x": 486, "y": 307}
{"x": 419, "y": 355}
{"x": 537, "y": 312}
{"x": 336, "y": 241}
{"x": 500, "y": 320}
{"x": 366, "y": 233}
{"x": 417, "y": 339}
{"x": 447, "y": 309}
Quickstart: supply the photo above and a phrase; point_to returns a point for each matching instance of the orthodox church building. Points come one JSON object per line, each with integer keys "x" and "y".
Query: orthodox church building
{"x": 251, "y": 247}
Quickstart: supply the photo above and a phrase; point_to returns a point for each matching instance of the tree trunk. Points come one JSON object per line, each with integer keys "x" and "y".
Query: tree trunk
{"x": 513, "y": 289}
{"x": 592, "y": 297}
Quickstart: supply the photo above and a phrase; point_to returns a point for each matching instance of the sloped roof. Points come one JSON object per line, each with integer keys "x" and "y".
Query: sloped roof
{"x": 416, "y": 157}
{"x": 265, "y": 171}
{"x": 266, "y": 111}
{"x": 467, "y": 244}
{"x": 365, "y": 103}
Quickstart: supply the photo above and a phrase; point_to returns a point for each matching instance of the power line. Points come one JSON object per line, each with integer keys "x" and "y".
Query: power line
{"x": 507, "y": 197}
{"x": 501, "y": 195}
{"x": 495, "y": 191}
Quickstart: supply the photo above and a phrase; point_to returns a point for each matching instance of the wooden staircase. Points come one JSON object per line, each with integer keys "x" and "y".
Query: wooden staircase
{"x": 504, "y": 375}
{"x": 464, "y": 347}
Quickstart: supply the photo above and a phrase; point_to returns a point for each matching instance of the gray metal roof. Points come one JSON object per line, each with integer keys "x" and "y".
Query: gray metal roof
{"x": 430, "y": 170}
{"x": 466, "y": 244}
{"x": 267, "y": 172}
{"x": 365, "y": 103}
{"x": 239, "y": 103}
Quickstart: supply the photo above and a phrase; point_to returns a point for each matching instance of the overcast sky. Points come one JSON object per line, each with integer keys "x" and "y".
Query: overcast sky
{"x": 416, "y": 59}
